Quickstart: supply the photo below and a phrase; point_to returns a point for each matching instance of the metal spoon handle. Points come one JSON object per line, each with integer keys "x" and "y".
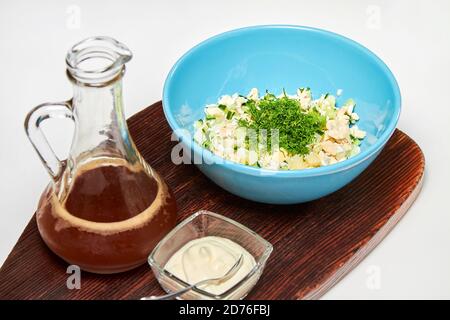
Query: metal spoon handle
{"x": 172, "y": 294}
{"x": 226, "y": 276}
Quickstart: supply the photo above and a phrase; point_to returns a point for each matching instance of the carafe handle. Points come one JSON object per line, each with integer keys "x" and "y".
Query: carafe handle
{"x": 40, "y": 143}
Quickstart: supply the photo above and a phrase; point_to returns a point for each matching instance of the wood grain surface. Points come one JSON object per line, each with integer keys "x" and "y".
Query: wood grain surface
{"x": 315, "y": 243}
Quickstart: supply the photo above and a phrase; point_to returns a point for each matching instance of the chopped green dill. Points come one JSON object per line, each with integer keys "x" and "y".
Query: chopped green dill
{"x": 296, "y": 129}
{"x": 206, "y": 144}
{"x": 230, "y": 115}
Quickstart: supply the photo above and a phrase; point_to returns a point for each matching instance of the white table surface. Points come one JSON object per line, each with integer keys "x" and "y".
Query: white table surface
{"x": 412, "y": 37}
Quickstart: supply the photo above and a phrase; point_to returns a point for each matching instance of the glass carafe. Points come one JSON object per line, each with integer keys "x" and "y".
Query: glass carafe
{"x": 105, "y": 208}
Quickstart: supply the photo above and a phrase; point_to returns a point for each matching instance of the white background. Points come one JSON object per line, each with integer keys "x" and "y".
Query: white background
{"x": 412, "y": 37}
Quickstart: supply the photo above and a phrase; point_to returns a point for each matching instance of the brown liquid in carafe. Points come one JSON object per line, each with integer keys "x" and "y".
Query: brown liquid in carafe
{"x": 110, "y": 194}
{"x": 111, "y": 219}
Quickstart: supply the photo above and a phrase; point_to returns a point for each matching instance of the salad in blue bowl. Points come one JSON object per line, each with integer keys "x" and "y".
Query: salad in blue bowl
{"x": 281, "y": 114}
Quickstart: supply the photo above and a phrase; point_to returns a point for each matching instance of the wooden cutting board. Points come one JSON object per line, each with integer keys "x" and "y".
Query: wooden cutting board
{"x": 315, "y": 244}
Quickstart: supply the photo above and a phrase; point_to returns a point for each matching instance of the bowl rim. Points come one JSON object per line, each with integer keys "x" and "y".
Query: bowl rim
{"x": 323, "y": 170}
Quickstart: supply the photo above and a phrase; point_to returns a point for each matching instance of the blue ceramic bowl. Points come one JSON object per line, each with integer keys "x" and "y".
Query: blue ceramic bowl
{"x": 276, "y": 57}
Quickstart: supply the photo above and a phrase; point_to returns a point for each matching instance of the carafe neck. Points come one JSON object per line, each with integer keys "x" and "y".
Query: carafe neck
{"x": 100, "y": 127}
{"x": 96, "y": 66}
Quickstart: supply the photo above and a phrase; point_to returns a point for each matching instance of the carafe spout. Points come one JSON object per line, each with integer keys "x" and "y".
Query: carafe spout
{"x": 96, "y": 61}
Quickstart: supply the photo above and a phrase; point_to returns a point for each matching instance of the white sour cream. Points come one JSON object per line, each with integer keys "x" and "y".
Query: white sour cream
{"x": 207, "y": 258}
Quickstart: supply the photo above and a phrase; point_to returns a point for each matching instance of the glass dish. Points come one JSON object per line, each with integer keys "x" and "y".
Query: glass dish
{"x": 201, "y": 224}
